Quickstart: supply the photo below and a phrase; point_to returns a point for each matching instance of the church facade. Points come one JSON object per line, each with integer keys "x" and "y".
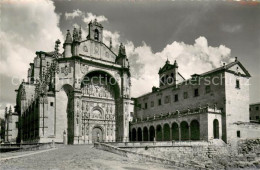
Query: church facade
{"x": 79, "y": 96}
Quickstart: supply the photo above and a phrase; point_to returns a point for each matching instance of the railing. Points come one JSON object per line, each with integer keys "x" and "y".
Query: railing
{"x": 178, "y": 113}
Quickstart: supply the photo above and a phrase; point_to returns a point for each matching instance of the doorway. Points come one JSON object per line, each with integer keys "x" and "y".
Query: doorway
{"x": 97, "y": 135}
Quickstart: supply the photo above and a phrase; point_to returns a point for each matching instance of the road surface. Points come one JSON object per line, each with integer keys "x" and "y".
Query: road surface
{"x": 75, "y": 157}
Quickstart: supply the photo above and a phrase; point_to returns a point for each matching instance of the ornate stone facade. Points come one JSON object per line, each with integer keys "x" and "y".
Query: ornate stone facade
{"x": 79, "y": 96}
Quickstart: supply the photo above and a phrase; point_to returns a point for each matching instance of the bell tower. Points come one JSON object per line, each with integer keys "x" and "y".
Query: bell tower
{"x": 95, "y": 31}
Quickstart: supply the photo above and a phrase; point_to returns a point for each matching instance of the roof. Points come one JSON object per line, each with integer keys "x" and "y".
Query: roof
{"x": 226, "y": 67}
{"x": 252, "y": 104}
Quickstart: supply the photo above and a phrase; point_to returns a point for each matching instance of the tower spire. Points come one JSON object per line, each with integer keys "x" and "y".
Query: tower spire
{"x": 57, "y": 43}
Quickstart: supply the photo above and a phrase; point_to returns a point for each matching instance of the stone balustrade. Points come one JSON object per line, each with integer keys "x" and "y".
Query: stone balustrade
{"x": 177, "y": 113}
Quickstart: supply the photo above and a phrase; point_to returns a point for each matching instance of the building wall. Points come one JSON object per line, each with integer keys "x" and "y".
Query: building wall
{"x": 215, "y": 96}
{"x": 11, "y": 128}
{"x": 237, "y": 104}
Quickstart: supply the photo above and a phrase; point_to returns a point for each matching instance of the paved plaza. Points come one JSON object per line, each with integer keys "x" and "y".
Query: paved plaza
{"x": 75, "y": 157}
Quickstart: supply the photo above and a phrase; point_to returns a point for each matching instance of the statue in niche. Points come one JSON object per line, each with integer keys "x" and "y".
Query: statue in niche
{"x": 96, "y": 114}
{"x": 111, "y": 109}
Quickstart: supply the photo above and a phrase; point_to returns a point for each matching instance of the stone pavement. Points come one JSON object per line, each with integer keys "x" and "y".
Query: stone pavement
{"x": 77, "y": 157}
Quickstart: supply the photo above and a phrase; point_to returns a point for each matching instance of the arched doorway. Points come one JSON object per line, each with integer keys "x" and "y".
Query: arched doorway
{"x": 133, "y": 134}
{"x": 216, "y": 129}
{"x": 145, "y": 134}
{"x": 101, "y": 87}
{"x": 175, "y": 131}
{"x": 158, "y": 133}
{"x": 184, "y": 131}
{"x": 97, "y": 135}
{"x": 166, "y": 132}
{"x": 152, "y": 133}
{"x": 139, "y": 134}
{"x": 195, "y": 130}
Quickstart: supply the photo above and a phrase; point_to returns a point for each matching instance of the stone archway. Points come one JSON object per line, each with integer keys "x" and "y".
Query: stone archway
{"x": 195, "y": 130}
{"x": 145, "y": 134}
{"x": 175, "y": 131}
{"x": 133, "y": 134}
{"x": 97, "y": 134}
{"x": 166, "y": 132}
{"x": 139, "y": 134}
{"x": 65, "y": 114}
{"x": 184, "y": 131}
{"x": 158, "y": 133}
{"x": 152, "y": 133}
{"x": 102, "y": 101}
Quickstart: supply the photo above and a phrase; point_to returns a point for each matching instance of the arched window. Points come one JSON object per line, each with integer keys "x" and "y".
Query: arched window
{"x": 96, "y": 35}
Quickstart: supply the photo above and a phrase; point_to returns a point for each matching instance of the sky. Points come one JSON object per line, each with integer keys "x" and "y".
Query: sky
{"x": 200, "y": 35}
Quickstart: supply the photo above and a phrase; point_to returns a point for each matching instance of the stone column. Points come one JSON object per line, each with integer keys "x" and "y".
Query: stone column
{"x": 170, "y": 133}
{"x": 136, "y": 135}
{"x": 162, "y": 133}
{"x": 148, "y": 134}
{"x": 189, "y": 133}
{"x": 155, "y": 134}
{"x": 179, "y": 133}
{"x": 142, "y": 134}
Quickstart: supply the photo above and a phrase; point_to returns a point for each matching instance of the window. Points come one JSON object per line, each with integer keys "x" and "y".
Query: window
{"x": 145, "y": 105}
{"x": 176, "y": 97}
{"x": 256, "y": 108}
{"x": 96, "y": 35}
{"x": 152, "y": 104}
{"x": 207, "y": 89}
{"x": 185, "y": 95}
{"x": 250, "y": 118}
{"x": 139, "y": 106}
{"x": 196, "y": 92}
{"x": 167, "y": 99}
{"x": 257, "y": 117}
{"x": 51, "y": 103}
{"x": 16, "y": 125}
{"x": 238, "y": 134}
{"x": 159, "y": 102}
{"x": 237, "y": 84}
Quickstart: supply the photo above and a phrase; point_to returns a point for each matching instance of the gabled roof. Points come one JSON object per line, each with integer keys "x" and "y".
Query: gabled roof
{"x": 226, "y": 67}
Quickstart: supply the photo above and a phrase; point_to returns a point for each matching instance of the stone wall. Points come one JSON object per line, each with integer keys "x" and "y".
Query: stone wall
{"x": 212, "y": 155}
{"x": 144, "y": 157}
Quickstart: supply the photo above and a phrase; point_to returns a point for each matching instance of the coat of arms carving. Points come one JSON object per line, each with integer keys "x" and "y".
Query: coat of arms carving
{"x": 66, "y": 70}
{"x": 83, "y": 68}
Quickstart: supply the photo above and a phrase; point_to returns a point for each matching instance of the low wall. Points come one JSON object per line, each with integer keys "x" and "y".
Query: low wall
{"x": 158, "y": 144}
{"x": 25, "y": 147}
{"x": 128, "y": 153}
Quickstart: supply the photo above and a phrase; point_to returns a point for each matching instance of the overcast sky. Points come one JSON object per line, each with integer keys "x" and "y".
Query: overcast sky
{"x": 199, "y": 35}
